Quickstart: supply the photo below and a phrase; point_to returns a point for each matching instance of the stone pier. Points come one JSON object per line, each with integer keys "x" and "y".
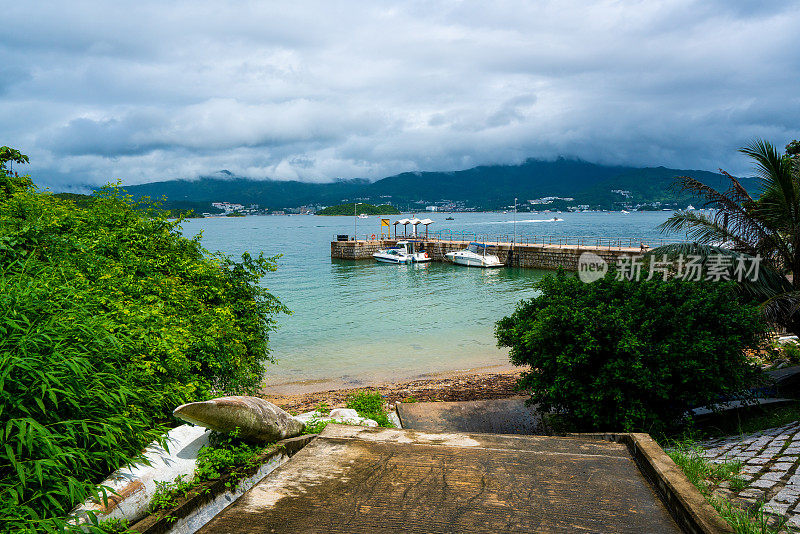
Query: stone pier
{"x": 531, "y": 256}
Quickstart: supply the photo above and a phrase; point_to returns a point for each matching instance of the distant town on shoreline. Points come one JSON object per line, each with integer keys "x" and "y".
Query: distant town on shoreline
{"x": 533, "y": 186}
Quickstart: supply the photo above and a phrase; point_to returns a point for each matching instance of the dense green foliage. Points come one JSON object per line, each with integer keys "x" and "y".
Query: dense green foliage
{"x": 85, "y": 201}
{"x": 622, "y": 355}
{"x": 80, "y": 200}
{"x": 350, "y": 209}
{"x": 109, "y": 318}
{"x": 228, "y": 454}
{"x": 67, "y": 413}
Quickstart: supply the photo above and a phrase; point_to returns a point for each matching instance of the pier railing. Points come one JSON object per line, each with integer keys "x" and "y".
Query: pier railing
{"x": 553, "y": 240}
{"x": 532, "y": 240}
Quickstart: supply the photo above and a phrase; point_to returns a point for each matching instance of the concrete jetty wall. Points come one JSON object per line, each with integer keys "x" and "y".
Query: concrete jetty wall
{"x": 526, "y": 255}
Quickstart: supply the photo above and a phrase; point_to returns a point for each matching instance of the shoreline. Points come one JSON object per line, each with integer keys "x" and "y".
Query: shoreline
{"x": 377, "y": 379}
{"x": 449, "y": 386}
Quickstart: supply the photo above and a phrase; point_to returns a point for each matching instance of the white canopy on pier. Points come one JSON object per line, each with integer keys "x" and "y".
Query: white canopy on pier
{"x": 414, "y": 222}
{"x": 404, "y": 222}
{"x": 426, "y": 222}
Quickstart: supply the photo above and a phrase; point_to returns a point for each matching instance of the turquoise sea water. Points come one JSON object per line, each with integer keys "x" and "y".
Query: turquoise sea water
{"x": 357, "y": 323}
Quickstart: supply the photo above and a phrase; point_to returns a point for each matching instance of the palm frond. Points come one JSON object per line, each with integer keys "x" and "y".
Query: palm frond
{"x": 703, "y": 229}
{"x": 767, "y": 227}
{"x": 781, "y": 308}
{"x": 731, "y": 210}
{"x": 779, "y": 201}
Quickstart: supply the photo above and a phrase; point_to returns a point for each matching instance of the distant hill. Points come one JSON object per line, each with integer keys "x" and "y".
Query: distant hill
{"x": 273, "y": 194}
{"x": 350, "y": 209}
{"x": 174, "y": 210}
{"x": 484, "y": 187}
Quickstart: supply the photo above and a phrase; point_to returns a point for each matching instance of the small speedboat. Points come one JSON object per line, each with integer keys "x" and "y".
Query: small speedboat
{"x": 474, "y": 256}
{"x": 363, "y": 216}
{"x": 449, "y": 219}
{"x": 404, "y": 252}
{"x": 392, "y": 255}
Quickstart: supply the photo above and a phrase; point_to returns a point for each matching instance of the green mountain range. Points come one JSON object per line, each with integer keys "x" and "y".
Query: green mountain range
{"x": 484, "y": 187}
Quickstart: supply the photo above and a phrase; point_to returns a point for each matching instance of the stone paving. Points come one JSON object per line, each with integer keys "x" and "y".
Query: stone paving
{"x": 770, "y": 467}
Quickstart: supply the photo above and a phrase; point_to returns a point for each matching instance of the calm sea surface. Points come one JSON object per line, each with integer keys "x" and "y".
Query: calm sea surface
{"x": 357, "y": 323}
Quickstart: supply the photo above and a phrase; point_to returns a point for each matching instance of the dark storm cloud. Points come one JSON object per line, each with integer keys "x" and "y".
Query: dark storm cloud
{"x": 147, "y": 91}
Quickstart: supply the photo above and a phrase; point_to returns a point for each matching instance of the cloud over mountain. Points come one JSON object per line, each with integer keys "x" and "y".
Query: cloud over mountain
{"x": 314, "y": 91}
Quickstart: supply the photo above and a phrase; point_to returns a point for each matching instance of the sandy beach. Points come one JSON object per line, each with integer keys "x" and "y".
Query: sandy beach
{"x": 455, "y": 386}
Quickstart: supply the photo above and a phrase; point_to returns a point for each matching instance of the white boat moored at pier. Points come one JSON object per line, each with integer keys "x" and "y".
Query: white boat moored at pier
{"x": 474, "y": 256}
{"x": 392, "y": 255}
{"x": 403, "y": 252}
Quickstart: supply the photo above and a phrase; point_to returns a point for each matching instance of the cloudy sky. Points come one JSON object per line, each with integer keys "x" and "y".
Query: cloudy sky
{"x": 146, "y": 91}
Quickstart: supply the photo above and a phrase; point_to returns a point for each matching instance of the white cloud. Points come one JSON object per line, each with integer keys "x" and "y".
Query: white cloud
{"x": 315, "y": 91}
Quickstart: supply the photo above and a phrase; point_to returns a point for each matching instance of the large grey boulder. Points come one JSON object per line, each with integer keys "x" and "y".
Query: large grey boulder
{"x": 256, "y": 419}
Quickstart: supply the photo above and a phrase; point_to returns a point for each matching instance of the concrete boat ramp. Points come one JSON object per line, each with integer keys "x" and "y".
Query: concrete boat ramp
{"x": 368, "y": 480}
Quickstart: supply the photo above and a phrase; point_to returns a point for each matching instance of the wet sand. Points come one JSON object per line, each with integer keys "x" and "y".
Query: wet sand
{"x": 454, "y": 386}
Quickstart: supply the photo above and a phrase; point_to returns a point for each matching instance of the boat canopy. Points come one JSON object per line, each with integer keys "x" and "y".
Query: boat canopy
{"x": 479, "y": 244}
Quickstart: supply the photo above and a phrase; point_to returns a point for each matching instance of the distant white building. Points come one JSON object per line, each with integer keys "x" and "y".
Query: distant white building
{"x": 549, "y": 200}
{"x": 227, "y": 207}
{"x": 431, "y": 208}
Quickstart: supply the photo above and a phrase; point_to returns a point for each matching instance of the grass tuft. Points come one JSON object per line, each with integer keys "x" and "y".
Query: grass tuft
{"x": 370, "y": 405}
{"x": 705, "y": 474}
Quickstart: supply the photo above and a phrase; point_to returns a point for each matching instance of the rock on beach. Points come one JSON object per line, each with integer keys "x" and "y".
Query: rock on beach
{"x": 256, "y": 419}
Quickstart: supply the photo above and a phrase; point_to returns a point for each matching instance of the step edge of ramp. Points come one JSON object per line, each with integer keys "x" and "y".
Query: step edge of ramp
{"x": 488, "y": 441}
{"x": 688, "y": 506}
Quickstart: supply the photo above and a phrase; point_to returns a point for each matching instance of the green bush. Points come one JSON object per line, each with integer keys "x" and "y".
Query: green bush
{"x": 67, "y": 416}
{"x": 226, "y": 455}
{"x": 620, "y": 355}
{"x": 109, "y": 318}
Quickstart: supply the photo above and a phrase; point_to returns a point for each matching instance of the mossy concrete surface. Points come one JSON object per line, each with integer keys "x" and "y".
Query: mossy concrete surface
{"x": 491, "y": 416}
{"x": 687, "y": 505}
{"x": 355, "y": 479}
